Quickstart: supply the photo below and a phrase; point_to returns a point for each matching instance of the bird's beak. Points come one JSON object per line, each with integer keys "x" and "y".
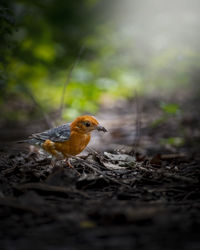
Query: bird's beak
{"x": 101, "y": 128}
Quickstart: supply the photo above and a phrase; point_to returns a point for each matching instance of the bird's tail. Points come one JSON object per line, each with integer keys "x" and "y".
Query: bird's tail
{"x": 23, "y": 141}
{"x": 32, "y": 141}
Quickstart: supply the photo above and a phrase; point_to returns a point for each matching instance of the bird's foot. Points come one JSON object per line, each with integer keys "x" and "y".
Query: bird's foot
{"x": 68, "y": 163}
{"x": 53, "y": 162}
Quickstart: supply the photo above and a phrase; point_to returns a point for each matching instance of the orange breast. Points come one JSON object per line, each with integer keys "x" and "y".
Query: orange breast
{"x": 75, "y": 145}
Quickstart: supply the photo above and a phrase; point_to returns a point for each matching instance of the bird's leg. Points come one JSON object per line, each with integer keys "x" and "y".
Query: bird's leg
{"x": 69, "y": 163}
{"x": 53, "y": 161}
{"x": 33, "y": 149}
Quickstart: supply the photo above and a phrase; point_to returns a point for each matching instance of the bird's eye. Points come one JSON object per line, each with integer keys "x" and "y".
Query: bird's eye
{"x": 87, "y": 124}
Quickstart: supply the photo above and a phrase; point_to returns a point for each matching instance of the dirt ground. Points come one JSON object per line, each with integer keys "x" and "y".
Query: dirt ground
{"x": 131, "y": 189}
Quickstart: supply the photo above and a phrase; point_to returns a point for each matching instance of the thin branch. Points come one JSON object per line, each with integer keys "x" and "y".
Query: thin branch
{"x": 50, "y": 189}
{"x": 14, "y": 203}
{"x": 138, "y": 120}
{"x": 168, "y": 175}
{"x": 47, "y": 119}
{"x": 68, "y": 80}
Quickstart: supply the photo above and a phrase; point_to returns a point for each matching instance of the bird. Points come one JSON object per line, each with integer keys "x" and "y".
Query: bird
{"x": 68, "y": 139}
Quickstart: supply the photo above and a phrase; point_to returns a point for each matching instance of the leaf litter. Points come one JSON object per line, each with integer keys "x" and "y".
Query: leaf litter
{"x": 103, "y": 190}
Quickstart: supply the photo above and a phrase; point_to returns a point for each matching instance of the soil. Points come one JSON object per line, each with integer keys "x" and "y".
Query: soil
{"x": 132, "y": 189}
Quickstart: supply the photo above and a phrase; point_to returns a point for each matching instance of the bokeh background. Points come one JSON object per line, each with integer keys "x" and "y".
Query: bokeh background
{"x": 60, "y": 59}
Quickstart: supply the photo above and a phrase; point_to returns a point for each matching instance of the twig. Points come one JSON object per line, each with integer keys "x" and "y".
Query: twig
{"x": 138, "y": 120}
{"x": 50, "y": 189}
{"x": 13, "y": 203}
{"x": 47, "y": 119}
{"x": 92, "y": 150}
{"x": 173, "y": 156}
{"x": 169, "y": 175}
{"x": 68, "y": 80}
{"x": 180, "y": 178}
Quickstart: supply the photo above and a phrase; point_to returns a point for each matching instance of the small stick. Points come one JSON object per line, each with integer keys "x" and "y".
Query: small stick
{"x": 169, "y": 175}
{"x": 173, "y": 156}
{"x": 49, "y": 188}
{"x": 47, "y": 119}
{"x": 13, "y": 203}
{"x": 138, "y": 121}
{"x": 68, "y": 80}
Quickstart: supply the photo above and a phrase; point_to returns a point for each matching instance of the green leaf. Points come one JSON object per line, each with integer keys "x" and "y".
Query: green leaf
{"x": 173, "y": 141}
{"x": 170, "y": 108}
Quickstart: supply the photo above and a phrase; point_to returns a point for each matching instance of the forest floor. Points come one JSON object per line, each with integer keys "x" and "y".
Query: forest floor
{"x": 137, "y": 187}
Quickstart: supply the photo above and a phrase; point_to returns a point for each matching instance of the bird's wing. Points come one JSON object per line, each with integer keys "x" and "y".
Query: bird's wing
{"x": 57, "y": 134}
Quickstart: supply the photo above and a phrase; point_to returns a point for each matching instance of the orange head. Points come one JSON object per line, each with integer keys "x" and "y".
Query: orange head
{"x": 85, "y": 124}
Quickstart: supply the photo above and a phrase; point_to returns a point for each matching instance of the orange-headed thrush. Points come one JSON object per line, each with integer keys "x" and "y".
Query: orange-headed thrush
{"x": 68, "y": 139}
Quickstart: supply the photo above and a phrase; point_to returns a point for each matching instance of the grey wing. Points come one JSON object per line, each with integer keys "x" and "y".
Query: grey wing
{"x": 57, "y": 134}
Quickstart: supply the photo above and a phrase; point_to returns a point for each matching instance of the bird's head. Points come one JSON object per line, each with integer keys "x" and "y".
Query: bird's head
{"x": 86, "y": 124}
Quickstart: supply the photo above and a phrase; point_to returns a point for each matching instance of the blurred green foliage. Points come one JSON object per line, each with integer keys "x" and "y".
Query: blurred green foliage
{"x": 169, "y": 110}
{"x": 6, "y": 27}
{"x": 40, "y": 40}
{"x": 47, "y": 38}
{"x": 173, "y": 141}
